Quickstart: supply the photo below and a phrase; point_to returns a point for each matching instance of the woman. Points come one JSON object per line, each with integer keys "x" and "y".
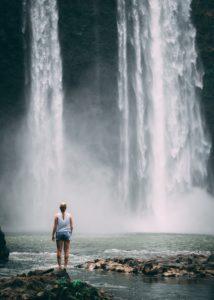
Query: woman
{"x": 63, "y": 226}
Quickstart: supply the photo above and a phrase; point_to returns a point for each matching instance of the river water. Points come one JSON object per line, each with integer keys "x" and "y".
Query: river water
{"x": 30, "y": 251}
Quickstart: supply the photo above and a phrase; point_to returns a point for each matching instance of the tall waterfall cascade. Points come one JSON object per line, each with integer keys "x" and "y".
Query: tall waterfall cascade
{"x": 46, "y": 102}
{"x": 164, "y": 145}
{"x": 123, "y": 101}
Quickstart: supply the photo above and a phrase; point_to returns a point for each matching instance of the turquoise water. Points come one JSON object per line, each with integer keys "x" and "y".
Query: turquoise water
{"x": 30, "y": 251}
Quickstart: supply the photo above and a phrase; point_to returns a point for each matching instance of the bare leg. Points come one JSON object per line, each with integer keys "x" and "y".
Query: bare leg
{"x": 59, "y": 245}
{"x": 66, "y": 250}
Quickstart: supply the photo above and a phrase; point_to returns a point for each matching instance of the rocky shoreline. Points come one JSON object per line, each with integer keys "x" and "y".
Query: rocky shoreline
{"x": 189, "y": 266}
{"x": 52, "y": 284}
{"x": 48, "y": 284}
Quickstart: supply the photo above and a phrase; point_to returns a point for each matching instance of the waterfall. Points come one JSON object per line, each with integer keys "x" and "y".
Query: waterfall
{"x": 45, "y": 149}
{"x": 164, "y": 144}
{"x": 123, "y": 102}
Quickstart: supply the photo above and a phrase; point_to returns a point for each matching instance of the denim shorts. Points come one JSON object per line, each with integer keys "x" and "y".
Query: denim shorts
{"x": 63, "y": 236}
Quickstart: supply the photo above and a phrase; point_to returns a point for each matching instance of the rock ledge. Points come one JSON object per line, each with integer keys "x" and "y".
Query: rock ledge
{"x": 48, "y": 284}
{"x": 190, "y": 266}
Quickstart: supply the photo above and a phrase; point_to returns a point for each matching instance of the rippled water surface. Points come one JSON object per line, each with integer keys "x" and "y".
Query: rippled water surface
{"x": 30, "y": 251}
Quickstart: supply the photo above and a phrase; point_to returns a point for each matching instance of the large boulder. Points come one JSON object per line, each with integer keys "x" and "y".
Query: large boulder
{"x": 4, "y": 251}
{"x": 48, "y": 284}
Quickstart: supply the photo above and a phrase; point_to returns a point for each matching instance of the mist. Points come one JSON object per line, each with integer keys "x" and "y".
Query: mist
{"x": 90, "y": 189}
{"x": 185, "y": 213}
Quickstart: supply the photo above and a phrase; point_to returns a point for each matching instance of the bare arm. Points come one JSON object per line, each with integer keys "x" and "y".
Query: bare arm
{"x": 54, "y": 228}
{"x": 71, "y": 223}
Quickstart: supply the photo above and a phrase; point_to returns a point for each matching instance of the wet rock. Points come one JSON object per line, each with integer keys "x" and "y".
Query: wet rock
{"x": 91, "y": 267}
{"x": 128, "y": 269}
{"x": 189, "y": 260}
{"x": 210, "y": 272}
{"x": 48, "y": 284}
{"x": 210, "y": 265}
{"x": 151, "y": 269}
{"x": 191, "y": 268}
{"x": 7, "y": 292}
{"x": 4, "y": 251}
{"x": 40, "y": 294}
{"x": 176, "y": 266}
{"x": 169, "y": 273}
{"x": 119, "y": 269}
{"x": 211, "y": 258}
{"x": 42, "y": 272}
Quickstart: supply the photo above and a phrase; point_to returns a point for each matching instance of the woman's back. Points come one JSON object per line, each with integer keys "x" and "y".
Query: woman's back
{"x": 63, "y": 224}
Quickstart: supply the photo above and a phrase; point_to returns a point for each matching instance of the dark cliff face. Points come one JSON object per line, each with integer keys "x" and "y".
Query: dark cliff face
{"x": 203, "y": 19}
{"x": 12, "y": 73}
{"x": 11, "y": 59}
{"x": 88, "y": 40}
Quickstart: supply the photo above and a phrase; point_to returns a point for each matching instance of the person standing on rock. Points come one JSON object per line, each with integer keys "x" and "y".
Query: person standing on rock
{"x": 63, "y": 226}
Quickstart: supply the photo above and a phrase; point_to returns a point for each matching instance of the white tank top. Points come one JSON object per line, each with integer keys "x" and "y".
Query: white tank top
{"x": 63, "y": 225}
